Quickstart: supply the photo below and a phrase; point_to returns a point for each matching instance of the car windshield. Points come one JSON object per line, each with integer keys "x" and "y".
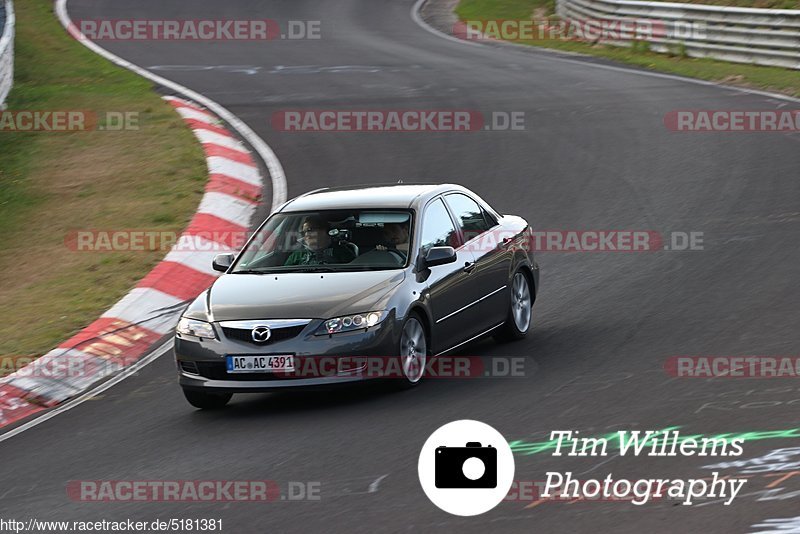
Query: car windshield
{"x": 329, "y": 241}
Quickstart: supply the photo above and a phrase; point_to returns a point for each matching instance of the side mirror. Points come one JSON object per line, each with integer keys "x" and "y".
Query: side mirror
{"x": 222, "y": 262}
{"x": 439, "y": 256}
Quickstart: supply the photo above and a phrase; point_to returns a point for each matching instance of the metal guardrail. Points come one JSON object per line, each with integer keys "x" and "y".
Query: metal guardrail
{"x": 737, "y": 34}
{"x": 7, "y": 53}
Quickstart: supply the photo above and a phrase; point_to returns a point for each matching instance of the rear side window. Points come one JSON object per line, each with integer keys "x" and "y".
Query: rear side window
{"x": 437, "y": 227}
{"x": 469, "y": 215}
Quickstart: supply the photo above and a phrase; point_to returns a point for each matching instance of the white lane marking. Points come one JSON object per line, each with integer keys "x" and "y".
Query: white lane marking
{"x": 207, "y": 137}
{"x": 554, "y": 55}
{"x": 129, "y": 371}
{"x": 227, "y": 207}
{"x": 373, "y": 488}
{"x": 244, "y": 69}
{"x": 241, "y": 171}
{"x": 276, "y": 174}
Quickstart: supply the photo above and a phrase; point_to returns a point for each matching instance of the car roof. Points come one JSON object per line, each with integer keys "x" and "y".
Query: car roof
{"x": 368, "y": 196}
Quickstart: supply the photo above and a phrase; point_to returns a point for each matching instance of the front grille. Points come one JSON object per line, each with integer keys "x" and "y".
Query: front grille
{"x": 277, "y": 334}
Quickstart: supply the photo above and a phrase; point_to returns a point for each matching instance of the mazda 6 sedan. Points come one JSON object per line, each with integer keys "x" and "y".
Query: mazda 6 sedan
{"x": 347, "y": 284}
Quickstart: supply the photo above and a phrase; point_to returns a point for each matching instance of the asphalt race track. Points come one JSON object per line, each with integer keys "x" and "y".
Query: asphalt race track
{"x": 595, "y": 155}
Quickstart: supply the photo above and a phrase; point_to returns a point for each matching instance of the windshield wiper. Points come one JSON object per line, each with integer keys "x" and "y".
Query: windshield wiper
{"x": 359, "y": 268}
{"x": 289, "y": 269}
{"x": 311, "y": 269}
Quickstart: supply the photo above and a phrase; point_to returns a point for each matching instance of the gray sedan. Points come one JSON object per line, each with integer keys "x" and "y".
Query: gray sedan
{"x": 337, "y": 281}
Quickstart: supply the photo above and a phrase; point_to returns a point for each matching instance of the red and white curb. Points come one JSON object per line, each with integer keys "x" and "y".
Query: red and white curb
{"x": 126, "y": 332}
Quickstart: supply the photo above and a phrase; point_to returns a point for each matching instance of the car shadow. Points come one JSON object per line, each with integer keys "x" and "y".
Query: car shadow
{"x": 292, "y": 401}
{"x": 547, "y": 346}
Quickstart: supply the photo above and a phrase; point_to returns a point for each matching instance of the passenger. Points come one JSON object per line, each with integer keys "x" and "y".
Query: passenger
{"x": 318, "y": 247}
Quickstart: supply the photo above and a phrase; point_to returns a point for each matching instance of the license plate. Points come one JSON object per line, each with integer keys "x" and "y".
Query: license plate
{"x": 259, "y": 364}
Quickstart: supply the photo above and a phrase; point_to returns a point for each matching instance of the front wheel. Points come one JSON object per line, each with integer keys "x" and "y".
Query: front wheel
{"x": 518, "y": 321}
{"x": 413, "y": 352}
{"x": 205, "y": 400}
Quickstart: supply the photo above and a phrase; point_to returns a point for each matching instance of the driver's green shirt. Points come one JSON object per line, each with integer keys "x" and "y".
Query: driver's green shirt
{"x": 333, "y": 254}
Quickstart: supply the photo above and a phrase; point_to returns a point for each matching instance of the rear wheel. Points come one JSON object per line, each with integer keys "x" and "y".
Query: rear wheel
{"x": 518, "y": 321}
{"x": 205, "y": 400}
{"x": 413, "y": 351}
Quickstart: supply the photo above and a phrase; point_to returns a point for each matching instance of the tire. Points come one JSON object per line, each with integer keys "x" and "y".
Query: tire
{"x": 207, "y": 401}
{"x": 412, "y": 352}
{"x": 520, "y": 310}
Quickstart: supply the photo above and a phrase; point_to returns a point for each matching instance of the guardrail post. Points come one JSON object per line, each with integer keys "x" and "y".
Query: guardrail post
{"x": 7, "y": 53}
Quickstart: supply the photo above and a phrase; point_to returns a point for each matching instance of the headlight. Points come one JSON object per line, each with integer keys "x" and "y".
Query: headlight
{"x": 195, "y": 328}
{"x": 349, "y": 323}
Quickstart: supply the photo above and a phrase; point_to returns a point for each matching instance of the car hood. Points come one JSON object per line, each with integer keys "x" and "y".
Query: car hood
{"x": 299, "y": 295}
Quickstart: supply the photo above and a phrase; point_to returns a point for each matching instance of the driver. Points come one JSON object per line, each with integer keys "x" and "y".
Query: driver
{"x": 395, "y": 237}
{"x": 317, "y": 246}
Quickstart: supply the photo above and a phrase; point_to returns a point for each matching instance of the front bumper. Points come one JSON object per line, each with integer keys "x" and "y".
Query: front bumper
{"x": 319, "y": 360}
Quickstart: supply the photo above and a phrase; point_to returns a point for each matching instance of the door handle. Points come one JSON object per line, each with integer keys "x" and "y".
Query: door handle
{"x": 469, "y": 266}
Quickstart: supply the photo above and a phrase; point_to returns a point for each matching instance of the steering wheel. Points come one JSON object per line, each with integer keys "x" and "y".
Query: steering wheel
{"x": 397, "y": 254}
{"x": 264, "y": 261}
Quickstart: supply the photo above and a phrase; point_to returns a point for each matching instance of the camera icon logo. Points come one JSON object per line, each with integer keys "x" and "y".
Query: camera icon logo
{"x": 472, "y": 466}
{"x": 466, "y": 467}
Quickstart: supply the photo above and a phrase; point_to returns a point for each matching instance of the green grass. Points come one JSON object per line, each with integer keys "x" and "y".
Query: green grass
{"x": 501, "y": 9}
{"x": 786, "y": 81}
{"x": 52, "y": 183}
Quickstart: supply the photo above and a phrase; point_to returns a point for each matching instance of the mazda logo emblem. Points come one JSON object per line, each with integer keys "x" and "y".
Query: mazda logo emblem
{"x": 260, "y": 334}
